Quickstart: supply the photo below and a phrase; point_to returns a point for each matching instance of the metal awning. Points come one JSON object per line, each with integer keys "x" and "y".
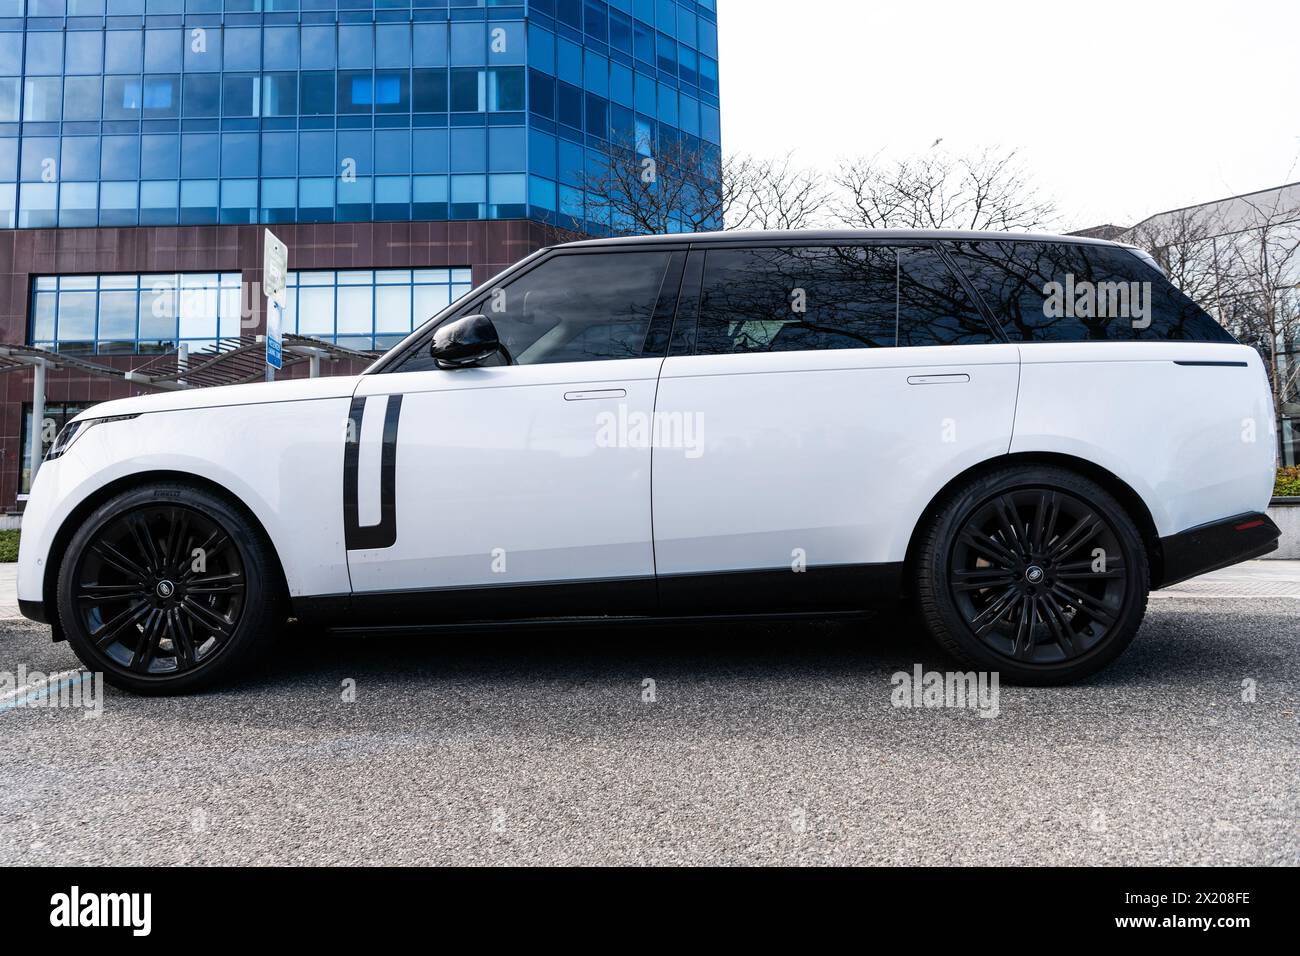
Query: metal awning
{"x": 16, "y": 357}
{"x": 234, "y": 361}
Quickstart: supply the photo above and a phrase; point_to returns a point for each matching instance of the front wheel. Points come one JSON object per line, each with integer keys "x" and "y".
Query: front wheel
{"x": 167, "y": 588}
{"x": 1036, "y": 573}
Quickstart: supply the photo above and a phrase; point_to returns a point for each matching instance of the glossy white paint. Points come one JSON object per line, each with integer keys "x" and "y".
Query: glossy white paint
{"x": 512, "y": 475}
{"x": 282, "y": 459}
{"x": 826, "y": 455}
{"x": 1197, "y": 443}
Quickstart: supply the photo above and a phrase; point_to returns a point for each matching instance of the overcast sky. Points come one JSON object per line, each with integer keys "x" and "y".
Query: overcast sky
{"x": 1120, "y": 109}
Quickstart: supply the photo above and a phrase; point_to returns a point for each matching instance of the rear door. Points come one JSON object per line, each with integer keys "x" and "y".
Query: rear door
{"x": 822, "y": 395}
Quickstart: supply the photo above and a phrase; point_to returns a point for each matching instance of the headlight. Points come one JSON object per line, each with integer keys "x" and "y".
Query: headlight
{"x": 74, "y": 430}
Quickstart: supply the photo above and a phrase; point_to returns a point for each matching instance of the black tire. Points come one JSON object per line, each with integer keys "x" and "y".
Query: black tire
{"x": 169, "y": 589}
{"x": 1007, "y": 600}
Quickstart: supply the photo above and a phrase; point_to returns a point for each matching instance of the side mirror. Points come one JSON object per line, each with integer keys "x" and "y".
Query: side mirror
{"x": 465, "y": 342}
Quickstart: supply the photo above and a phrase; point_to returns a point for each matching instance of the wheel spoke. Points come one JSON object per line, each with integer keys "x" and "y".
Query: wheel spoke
{"x": 1059, "y": 626}
{"x": 1009, "y": 522}
{"x": 984, "y": 621}
{"x": 116, "y": 559}
{"x": 990, "y": 547}
{"x": 1083, "y": 532}
{"x": 108, "y": 592}
{"x": 106, "y": 633}
{"x": 981, "y": 578}
{"x": 144, "y": 540}
{"x": 207, "y": 618}
{"x": 1022, "y": 645}
{"x": 1086, "y": 603}
{"x": 216, "y": 584}
{"x": 148, "y": 643}
{"x": 182, "y": 638}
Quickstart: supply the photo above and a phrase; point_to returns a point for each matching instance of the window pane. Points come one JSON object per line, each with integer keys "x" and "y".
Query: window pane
{"x": 811, "y": 298}
{"x": 76, "y": 321}
{"x": 393, "y": 309}
{"x": 1066, "y": 292}
{"x": 933, "y": 306}
{"x": 580, "y": 308}
{"x": 316, "y": 310}
{"x": 117, "y": 317}
{"x": 158, "y": 299}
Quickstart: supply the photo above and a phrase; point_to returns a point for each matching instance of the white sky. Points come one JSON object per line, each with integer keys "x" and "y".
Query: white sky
{"x": 1119, "y": 109}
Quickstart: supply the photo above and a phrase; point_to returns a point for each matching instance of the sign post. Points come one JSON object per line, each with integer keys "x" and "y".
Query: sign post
{"x": 275, "y": 270}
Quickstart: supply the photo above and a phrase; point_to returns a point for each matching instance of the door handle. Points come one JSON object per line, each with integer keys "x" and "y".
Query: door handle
{"x": 953, "y": 379}
{"x": 596, "y": 395}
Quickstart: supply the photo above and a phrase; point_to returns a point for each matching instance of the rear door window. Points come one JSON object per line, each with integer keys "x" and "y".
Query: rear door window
{"x": 832, "y": 297}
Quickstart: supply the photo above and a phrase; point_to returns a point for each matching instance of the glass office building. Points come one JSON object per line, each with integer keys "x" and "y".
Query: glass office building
{"x": 165, "y": 112}
{"x": 404, "y": 149}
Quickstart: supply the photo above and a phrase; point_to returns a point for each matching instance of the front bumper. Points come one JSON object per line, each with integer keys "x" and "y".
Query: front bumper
{"x": 33, "y": 611}
{"x": 1218, "y": 544}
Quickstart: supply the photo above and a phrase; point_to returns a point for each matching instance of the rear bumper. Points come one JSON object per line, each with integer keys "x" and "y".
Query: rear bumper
{"x": 1218, "y": 544}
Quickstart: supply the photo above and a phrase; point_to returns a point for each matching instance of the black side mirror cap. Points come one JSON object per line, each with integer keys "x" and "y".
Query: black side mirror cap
{"x": 465, "y": 342}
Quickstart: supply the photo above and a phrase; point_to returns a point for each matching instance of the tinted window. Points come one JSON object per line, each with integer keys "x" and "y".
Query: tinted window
{"x": 933, "y": 306}
{"x": 782, "y": 300}
{"x": 832, "y": 297}
{"x": 572, "y": 308}
{"x": 1063, "y": 292}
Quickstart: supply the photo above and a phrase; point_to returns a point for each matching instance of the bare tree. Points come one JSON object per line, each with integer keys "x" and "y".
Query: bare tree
{"x": 772, "y": 194}
{"x": 1263, "y": 257}
{"x": 936, "y": 190}
{"x": 1185, "y": 244}
{"x": 676, "y": 188}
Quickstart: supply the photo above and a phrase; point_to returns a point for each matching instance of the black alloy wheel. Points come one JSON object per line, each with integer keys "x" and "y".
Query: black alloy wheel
{"x": 1036, "y": 572}
{"x": 167, "y": 588}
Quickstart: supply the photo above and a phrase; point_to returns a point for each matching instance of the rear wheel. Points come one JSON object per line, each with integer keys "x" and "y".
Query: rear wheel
{"x": 167, "y": 588}
{"x": 1036, "y": 573}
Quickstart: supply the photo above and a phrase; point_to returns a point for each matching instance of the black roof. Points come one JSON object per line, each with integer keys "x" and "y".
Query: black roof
{"x": 822, "y": 235}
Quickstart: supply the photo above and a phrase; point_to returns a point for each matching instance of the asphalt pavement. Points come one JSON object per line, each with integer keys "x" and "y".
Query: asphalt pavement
{"x": 754, "y": 744}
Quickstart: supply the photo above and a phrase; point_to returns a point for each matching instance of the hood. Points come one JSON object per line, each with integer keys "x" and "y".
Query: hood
{"x": 256, "y": 393}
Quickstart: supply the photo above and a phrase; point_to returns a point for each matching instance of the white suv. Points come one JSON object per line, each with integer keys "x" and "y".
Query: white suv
{"x": 1024, "y": 433}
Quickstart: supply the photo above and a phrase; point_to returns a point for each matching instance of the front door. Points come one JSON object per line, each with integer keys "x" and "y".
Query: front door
{"x": 516, "y": 489}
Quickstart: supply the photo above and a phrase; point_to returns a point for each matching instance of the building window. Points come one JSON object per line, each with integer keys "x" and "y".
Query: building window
{"x": 109, "y": 314}
{"x": 369, "y": 309}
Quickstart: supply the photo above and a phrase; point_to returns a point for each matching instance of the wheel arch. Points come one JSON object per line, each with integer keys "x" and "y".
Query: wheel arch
{"x": 1119, "y": 489}
{"x": 77, "y": 516}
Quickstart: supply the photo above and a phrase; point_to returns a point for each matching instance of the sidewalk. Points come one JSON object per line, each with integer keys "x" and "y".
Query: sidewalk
{"x": 1275, "y": 579}
{"x": 9, "y": 591}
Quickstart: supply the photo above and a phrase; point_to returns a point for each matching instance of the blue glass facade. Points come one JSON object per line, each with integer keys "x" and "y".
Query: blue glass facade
{"x": 161, "y": 112}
